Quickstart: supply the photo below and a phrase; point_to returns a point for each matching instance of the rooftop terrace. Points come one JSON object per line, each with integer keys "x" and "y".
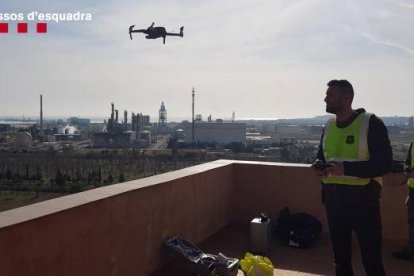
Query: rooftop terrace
{"x": 120, "y": 229}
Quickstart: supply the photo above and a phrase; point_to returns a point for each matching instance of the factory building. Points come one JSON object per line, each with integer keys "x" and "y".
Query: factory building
{"x": 120, "y": 134}
{"x": 198, "y": 131}
{"x": 116, "y": 135}
{"x": 144, "y": 138}
{"x": 139, "y": 121}
{"x": 218, "y": 132}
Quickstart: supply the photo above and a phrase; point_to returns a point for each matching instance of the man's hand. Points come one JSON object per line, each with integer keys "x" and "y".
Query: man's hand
{"x": 337, "y": 168}
{"x": 319, "y": 167}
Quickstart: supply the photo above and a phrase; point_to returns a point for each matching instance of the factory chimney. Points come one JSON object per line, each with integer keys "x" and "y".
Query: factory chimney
{"x": 192, "y": 129}
{"x": 133, "y": 121}
{"x": 41, "y": 118}
{"x": 125, "y": 120}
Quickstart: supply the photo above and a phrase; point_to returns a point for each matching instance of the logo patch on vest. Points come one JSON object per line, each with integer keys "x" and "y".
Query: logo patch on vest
{"x": 350, "y": 139}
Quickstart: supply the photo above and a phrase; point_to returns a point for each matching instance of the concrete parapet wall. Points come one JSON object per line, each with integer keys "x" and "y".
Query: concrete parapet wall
{"x": 118, "y": 229}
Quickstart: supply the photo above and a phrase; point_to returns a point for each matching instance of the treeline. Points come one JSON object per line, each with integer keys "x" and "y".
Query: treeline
{"x": 70, "y": 172}
{"x": 286, "y": 150}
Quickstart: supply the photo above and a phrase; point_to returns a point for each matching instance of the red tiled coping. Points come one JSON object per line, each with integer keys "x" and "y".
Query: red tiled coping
{"x": 119, "y": 229}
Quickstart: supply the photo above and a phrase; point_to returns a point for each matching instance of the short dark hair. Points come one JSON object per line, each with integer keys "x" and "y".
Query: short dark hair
{"x": 345, "y": 85}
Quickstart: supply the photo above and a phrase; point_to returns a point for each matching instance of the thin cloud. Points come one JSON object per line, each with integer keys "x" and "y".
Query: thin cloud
{"x": 391, "y": 44}
{"x": 402, "y": 4}
{"x": 372, "y": 39}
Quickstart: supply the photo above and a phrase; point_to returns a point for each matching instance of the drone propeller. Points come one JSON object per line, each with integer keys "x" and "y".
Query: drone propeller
{"x": 130, "y": 31}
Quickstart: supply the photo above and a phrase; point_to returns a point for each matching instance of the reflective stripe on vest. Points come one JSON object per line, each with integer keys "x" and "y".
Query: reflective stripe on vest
{"x": 347, "y": 144}
{"x": 410, "y": 181}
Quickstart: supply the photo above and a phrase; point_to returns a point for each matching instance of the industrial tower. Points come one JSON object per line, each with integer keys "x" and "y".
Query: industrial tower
{"x": 192, "y": 127}
{"x": 41, "y": 118}
{"x": 162, "y": 121}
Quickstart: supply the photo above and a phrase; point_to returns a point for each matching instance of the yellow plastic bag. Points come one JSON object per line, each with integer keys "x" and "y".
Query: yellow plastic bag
{"x": 255, "y": 265}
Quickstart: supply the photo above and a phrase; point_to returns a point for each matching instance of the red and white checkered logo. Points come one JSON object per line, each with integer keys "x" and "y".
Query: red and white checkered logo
{"x": 24, "y": 28}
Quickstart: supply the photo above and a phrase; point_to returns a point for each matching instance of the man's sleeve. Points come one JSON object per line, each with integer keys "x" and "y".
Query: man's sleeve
{"x": 380, "y": 152}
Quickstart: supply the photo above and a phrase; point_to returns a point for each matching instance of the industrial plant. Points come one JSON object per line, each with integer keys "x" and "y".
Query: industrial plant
{"x": 118, "y": 134}
{"x": 268, "y": 139}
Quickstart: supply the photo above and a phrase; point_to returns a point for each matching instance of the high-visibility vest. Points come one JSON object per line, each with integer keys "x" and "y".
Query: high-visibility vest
{"x": 410, "y": 181}
{"x": 347, "y": 144}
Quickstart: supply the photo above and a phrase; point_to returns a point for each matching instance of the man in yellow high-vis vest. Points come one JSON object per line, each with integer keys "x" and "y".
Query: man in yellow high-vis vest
{"x": 408, "y": 252}
{"x": 357, "y": 150}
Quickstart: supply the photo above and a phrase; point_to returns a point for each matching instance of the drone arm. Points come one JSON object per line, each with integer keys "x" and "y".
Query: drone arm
{"x": 177, "y": 34}
{"x": 140, "y": 31}
{"x": 174, "y": 34}
{"x": 136, "y": 31}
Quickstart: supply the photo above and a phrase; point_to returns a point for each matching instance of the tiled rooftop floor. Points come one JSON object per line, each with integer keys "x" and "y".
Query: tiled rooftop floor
{"x": 233, "y": 241}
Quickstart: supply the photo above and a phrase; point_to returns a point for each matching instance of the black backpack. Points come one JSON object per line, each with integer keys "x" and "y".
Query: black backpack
{"x": 298, "y": 230}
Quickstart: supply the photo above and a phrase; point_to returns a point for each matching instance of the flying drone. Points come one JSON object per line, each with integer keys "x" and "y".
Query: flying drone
{"x": 155, "y": 32}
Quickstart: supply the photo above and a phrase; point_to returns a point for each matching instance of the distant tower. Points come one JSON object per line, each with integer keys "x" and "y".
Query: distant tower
{"x": 125, "y": 120}
{"x": 192, "y": 130}
{"x": 133, "y": 119}
{"x": 111, "y": 121}
{"x": 233, "y": 117}
{"x": 162, "y": 121}
{"x": 41, "y": 118}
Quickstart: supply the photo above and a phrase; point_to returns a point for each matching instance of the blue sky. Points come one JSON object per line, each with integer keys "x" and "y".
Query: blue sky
{"x": 257, "y": 58}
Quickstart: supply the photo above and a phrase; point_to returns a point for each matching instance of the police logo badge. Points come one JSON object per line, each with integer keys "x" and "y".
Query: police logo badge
{"x": 350, "y": 139}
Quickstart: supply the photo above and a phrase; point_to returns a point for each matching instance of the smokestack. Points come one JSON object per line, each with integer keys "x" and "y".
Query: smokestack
{"x": 192, "y": 131}
{"x": 126, "y": 120}
{"x": 116, "y": 115}
{"x": 41, "y": 118}
{"x": 112, "y": 111}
